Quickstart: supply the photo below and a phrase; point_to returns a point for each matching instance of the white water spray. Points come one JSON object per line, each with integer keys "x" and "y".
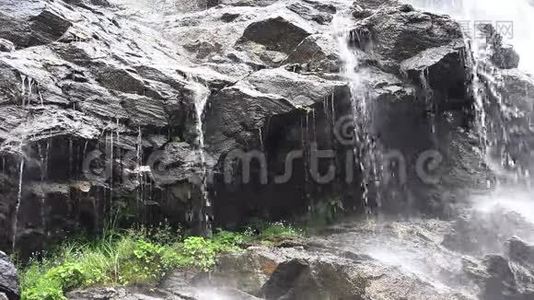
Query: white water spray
{"x": 512, "y": 19}
{"x": 365, "y": 147}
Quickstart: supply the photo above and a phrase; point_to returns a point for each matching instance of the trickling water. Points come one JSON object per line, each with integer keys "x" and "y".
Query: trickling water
{"x": 427, "y": 94}
{"x": 138, "y": 173}
{"x": 260, "y": 138}
{"x": 111, "y": 162}
{"x": 17, "y": 206}
{"x": 41, "y": 97}
{"x": 43, "y": 158}
{"x": 201, "y": 94}
{"x": 513, "y": 21}
{"x": 365, "y": 146}
{"x": 30, "y": 85}
{"x": 23, "y": 87}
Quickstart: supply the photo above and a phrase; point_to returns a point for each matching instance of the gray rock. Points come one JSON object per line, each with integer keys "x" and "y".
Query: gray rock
{"x": 120, "y": 293}
{"x": 8, "y": 278}
{"x": 284, "y": 278}
{"x": 6, "y": 46}
{"x": 276, "y": 34}
{"x": 300, "y": 90}
{"x": 38, "y": 26}
{"x": 397, "y": 34}
{"x": 247, "y": 2}
{"x": 233, "y": 108}
{"x": 511, "y": 108}
{"x": 375, "y": 4}
{"x": 318, "y": 273}
{"x": 246, "y": 106}
{"x": 481, "y": 233}
{"x": 229, "y": 17}
{"x": 247, "y": 271}
{"x": 502, "y": 56}
{"x": 501, "y": 279}
{"x": 441, "y": 69}
{"x": 310, "y": 14}
{"x": 521, "y": 252}
{"x": 316, "y": 53}
{"x": 506, "y": 57}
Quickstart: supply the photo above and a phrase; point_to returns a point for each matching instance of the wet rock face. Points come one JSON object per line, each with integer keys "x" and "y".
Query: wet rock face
{"x": 8, "y": 279}
{"x": 321, "y": 269}
{"x": 501, "y": 55}
{"x": 500, "y": 278}
{"x": 103, "y": 106}
{"x": 397, "y": 33}
{"x": 481, "y": 233}
{"x": 6, "y": 46}
{"x": 33, "y": 25}
{"x": 443, "y": 69}
{"x": 521, "y": 252}
{"x": 510, "y": 110}
{"x": 70, "y": 92}
{"x": 316, "y": 53}
{"x": 299, "y": 278}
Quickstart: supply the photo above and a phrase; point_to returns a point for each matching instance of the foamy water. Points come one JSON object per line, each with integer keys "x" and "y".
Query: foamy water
{"x": 507, "y": 200}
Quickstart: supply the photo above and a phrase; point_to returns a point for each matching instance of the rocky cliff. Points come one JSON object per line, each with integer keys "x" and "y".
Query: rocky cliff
{"x": 191, "y": 114}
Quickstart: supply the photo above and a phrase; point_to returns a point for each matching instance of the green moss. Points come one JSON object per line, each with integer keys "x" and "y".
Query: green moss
{"x": 132, "y": 257}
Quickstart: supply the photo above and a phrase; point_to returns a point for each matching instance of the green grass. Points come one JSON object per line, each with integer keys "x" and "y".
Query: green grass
{"x": 279, "y": 231}
{"x": 132, "y": 257}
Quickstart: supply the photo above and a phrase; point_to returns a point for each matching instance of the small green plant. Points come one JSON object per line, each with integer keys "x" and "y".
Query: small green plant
{"x": 228, "y": 241}
{"x": 278, "y": 231}
{"x": 68, "y": 275}
{"x": 140, "y": 256}
{"x": 201, "y": 251}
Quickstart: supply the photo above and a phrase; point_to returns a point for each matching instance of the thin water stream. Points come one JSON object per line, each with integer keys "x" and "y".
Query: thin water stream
{"x": 365, "y": 150}
{"x": 201, "y": 94}
{"x": 17, "y": 205}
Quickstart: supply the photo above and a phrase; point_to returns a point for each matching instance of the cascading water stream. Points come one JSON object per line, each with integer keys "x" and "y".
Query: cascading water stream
{"x": 403, "y": 251}
{"x": 365, "y": 150}
{"x": 513, "y": 21}
{"x": 201, "y": 94}
{"x": 17, "y": 205}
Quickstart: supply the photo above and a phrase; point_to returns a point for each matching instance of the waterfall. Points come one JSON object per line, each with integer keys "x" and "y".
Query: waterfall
{"x": 365, "y": 150}
{"x": 513, "y": 19}
{"x": 201, "y": 94}
{"x": 492, "y": 112}
{"x": 17, "y": 205}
